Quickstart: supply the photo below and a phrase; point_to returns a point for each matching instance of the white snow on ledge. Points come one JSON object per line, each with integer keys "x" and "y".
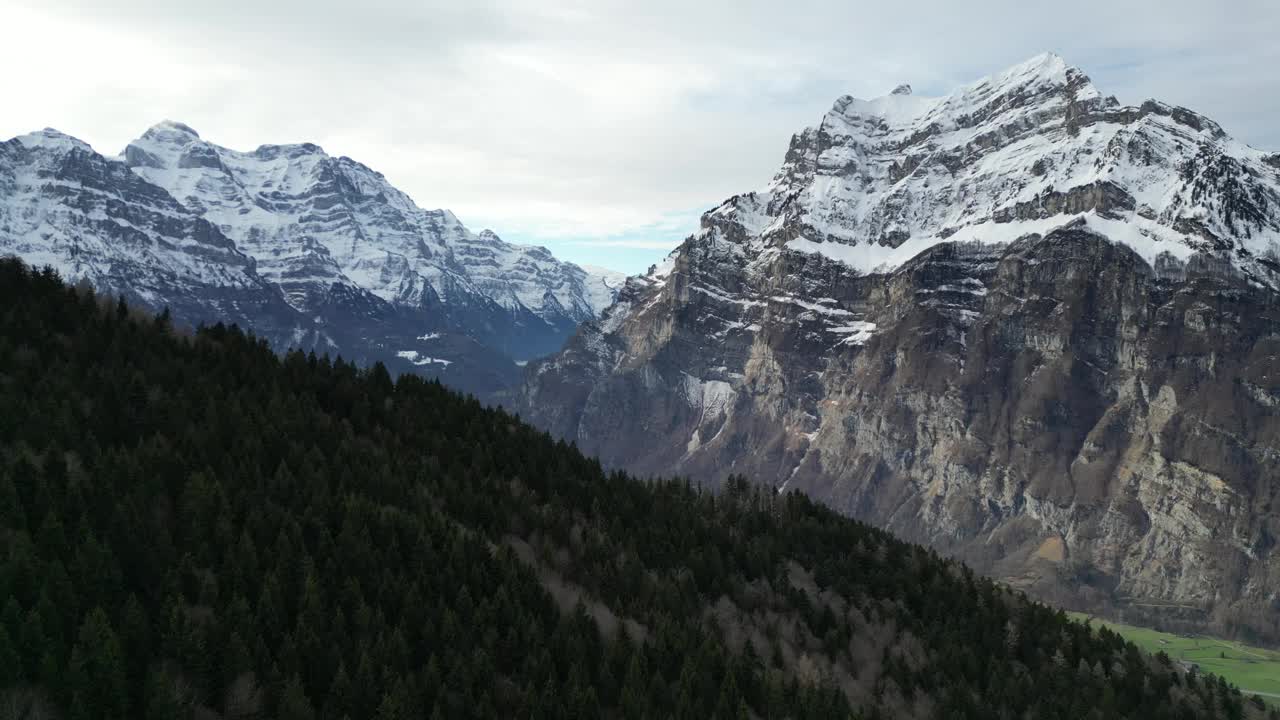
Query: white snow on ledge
{"x": 858, "y": 332}
{"x": 413, "y": 357}
{"x": 1147, "y": 238}
{"x": 812, "y": 307}
{"x": 712, "y": 397}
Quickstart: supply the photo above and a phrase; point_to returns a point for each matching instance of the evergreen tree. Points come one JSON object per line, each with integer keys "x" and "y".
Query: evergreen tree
{"x": 10, "y": 662}
{"x": 191, "y": 525}
{"x": 96, "y": 673}
{"x": 294, "y": 704}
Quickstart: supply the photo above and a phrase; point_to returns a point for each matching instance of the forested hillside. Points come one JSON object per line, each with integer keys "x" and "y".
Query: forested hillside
{"x": 192, "y": 526}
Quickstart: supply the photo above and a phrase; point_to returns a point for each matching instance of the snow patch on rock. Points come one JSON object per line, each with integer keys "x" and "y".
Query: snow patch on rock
{"x": 416, "y": 358}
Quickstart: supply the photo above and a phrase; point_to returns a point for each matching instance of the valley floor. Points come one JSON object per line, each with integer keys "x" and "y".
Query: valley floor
{"x": 1253, "y": 670}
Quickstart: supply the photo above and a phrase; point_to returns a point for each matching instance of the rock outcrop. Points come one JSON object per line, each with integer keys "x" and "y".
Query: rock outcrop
{"x": 1023, "y": 323}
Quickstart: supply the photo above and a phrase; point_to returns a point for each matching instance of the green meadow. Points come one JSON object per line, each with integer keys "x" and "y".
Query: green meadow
{"x": 1249, "y": 668}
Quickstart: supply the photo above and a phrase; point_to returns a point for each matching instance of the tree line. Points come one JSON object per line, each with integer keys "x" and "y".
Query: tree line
{"x": 192, "y": 526}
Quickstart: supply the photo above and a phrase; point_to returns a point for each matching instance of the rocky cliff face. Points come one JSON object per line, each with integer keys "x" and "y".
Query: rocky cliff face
{"x": 1023, "y": 323}
{"x": 306, "y": 249}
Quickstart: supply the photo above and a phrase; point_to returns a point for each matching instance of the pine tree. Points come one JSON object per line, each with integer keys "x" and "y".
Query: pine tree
{"x": 338, "y": 702}
{"x": 96, "y": 673}
{"x": 164, "y": 699}
{"x": 12, "y": 514}
{"x": 397, "y": 703}
{"x": 294, "y": 704}
{"x": 635, "y": 687}
{"x": 729, "y": 700}
{"x": 10, "y": 661}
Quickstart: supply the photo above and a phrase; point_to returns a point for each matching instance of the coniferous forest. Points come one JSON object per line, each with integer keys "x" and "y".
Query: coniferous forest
{"x": 194, "y": 527}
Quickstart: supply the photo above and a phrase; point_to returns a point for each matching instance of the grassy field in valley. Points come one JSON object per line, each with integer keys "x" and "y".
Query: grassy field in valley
{"x": 1248, "y": 668}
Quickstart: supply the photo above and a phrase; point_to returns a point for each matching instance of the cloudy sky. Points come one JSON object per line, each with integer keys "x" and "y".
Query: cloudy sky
{"x": 600, "y": 129}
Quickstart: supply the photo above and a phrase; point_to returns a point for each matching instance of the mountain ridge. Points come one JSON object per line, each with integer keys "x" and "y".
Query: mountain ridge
{"x": 333, "y": 256}
{"x": 877, "y": 181}
{"x": 1021, "y": 322}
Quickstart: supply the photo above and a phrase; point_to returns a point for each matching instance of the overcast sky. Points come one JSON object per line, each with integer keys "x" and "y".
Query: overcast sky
{"x": 598, "y": 129}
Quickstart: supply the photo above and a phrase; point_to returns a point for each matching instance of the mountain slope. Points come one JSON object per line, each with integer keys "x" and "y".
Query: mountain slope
{"x": 1022, "y": 323}
{"x": 193, "y": 526}
{"x": 334, "y": 257}
{"x": 312, "y": 220}
{"x": 67, "y": 206}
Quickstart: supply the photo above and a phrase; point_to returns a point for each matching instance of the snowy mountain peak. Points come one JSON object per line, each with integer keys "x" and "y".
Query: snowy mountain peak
{"x": 1048, "y": 65}
{"x": 307, "y": 249}
{"x": 1021, "y": 151}
{"x": 172, "y": 128}
{"x": 1043, "y": 77}
{"x": 293, "y": 205}
{"x": 51, "y": 139}
{"x": 294, "y": 150}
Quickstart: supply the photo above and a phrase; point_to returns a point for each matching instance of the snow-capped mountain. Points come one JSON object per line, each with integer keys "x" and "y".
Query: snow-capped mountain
{"x": 1023, "y": 322}
{"x": 64, "y": 205}
{"x": 877, "y": 181}
{"x": 603, "y": 285}
{"x": 307, "y": 249}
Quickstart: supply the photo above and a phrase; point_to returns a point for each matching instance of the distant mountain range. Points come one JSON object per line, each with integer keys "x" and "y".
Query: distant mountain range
{"x": 305, "y": 249}
{"x": 1022, "y": 322}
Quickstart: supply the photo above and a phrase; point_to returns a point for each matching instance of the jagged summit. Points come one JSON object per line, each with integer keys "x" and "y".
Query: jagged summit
{"x": 366, "y": 231}
{"x": 1046, "y": 72}
{"x": 172, "y": 127}
{"x": 52, "y": 139}
{"x": 1048, "y": 65}
{"x": 1020, "y": 151}
{"x": 307, "y": 249}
